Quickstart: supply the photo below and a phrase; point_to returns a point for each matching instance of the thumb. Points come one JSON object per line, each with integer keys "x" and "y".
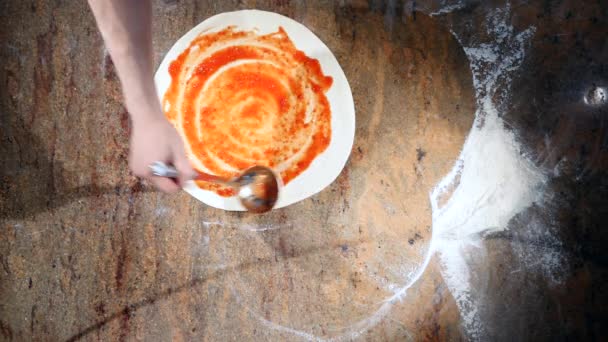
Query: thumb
{"x": 183, "y": 166}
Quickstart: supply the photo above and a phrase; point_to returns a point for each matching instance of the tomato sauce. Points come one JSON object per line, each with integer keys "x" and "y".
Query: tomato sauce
{"x": 241, "y": 99}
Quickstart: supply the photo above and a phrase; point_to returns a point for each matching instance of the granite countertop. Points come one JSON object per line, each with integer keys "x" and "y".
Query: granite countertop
{"x": 505, "y": 96}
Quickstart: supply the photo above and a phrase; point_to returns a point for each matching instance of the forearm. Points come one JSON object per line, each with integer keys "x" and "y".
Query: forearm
{"x": 126, "y": 29}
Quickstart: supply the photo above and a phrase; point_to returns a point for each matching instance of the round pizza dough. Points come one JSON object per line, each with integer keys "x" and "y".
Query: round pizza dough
{"x": 327, "y": 166}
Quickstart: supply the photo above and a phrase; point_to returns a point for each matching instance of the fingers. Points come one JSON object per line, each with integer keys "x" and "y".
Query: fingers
{"x": 142, "y": 170}
{"x": 183, "y": 166}
{"x": 153, "y": 141}
{"x": 167, "y": 185}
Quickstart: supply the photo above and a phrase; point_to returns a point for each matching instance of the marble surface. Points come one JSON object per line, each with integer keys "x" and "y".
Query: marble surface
{"x": 87, "y": 252}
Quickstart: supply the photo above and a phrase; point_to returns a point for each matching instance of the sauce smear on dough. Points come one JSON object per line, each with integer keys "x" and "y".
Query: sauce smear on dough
{"x": 241, "y": 99}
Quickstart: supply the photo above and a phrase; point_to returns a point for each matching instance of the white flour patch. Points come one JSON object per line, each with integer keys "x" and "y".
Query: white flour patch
{"x": 494, "y": 179}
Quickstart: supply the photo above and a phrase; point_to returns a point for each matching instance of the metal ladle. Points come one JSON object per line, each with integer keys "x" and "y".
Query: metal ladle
{"x": 257, "y": 187}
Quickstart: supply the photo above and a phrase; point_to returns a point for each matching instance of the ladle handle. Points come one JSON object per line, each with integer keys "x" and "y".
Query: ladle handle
{"x": 161, "y": 169}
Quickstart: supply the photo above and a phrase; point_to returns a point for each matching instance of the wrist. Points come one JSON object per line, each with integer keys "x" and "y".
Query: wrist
{"x": 144, "y": 108}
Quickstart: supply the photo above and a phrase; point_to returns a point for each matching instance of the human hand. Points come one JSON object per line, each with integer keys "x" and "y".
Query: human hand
{"x": 155, "y": 139}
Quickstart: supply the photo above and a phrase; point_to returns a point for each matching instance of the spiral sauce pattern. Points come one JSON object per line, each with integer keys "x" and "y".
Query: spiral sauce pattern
{"x": 240, "y": 99}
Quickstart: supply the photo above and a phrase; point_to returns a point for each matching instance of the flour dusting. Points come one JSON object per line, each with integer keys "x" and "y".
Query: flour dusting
{"x": 447, "y": 9}
{"x": 245, "y": 226}
{"x": 540, "y": 251}
{"x": 161, "y": 210}
{"x": 493, "y": 179}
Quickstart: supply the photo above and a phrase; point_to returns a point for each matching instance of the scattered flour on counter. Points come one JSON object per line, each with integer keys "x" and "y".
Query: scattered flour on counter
{"x": 447, "y": 9}
{"x": 161, "y": 210}
{"x": 247, "y": 227}
{"x": 540, "y": 251}
{"x": 493, "y": 179}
